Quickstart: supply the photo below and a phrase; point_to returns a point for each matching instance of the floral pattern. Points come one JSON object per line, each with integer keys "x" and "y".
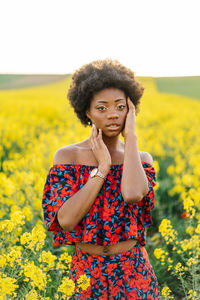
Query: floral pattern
{"x": 124, "y": 276}
{"x": 110, "y": 219}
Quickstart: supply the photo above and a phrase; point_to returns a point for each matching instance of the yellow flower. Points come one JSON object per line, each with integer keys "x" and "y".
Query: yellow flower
{"x": 14, "y": 256}
{"x": 197, "y": 230}
{"x": 67, "y": 286}
{"x": 166, "y": 292}
{"x": 192, "y": 261}
{"x": 35, "y": 274}
{"x": 7, "y": 226}
{"x": 34, "y": 240}
{"x": 190, "y": 230}
{"x": 64, "y": 261}
{"x": 17, "y": 217}
{"x": 179, "y": 269}
{"x": 27, "y": 211}
{"x": 188, "y": 205}
{"x": 158, "y": 252}
{"x": 192, "y": 295}
{"x": 48, "y": 258}
{"x": 32, "y": 295}
{"x": 167, "y": 231}
{"x": 7, "y": 286}
{"x": 83, "y": 282}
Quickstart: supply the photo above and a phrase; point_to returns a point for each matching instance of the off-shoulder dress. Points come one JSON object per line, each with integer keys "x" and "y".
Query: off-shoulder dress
{"x": 128, "y": 275}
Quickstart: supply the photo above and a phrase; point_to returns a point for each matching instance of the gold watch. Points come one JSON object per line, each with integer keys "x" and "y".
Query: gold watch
{"x": 96, "y": 172}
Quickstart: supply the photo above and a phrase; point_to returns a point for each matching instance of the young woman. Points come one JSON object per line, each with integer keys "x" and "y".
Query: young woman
{"x": 99, "y": 192}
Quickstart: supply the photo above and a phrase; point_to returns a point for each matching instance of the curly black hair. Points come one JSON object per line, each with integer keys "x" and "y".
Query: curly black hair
{"x": 96, "y": 76}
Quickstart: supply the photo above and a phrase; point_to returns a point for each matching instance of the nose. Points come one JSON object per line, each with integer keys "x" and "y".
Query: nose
{"x": 113, "y": 115}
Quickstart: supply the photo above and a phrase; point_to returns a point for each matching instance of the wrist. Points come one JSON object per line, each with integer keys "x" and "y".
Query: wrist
{"x": 130, "y": 135}
{"x": 104, "y": 169}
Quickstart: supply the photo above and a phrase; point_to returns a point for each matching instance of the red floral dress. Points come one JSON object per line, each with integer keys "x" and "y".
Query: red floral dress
{"x": 128, "y": 275}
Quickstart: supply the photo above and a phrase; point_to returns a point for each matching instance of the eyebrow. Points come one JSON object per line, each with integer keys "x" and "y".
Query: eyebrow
{"x": 102, "y": 101}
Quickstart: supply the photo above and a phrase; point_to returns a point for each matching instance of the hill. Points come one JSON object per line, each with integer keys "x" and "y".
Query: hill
{"x": 188, "y": 86}
{"x": 18, "y": 81}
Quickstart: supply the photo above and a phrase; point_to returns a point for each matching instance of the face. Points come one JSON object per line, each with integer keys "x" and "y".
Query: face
{"x": 108, "y": 106}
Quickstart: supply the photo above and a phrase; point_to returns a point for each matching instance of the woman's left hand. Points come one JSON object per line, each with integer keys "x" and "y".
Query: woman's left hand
{"x": 129, "y": 127}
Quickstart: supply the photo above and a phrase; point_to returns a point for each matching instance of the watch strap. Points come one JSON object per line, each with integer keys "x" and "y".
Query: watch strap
{"x": 100, "y": 174}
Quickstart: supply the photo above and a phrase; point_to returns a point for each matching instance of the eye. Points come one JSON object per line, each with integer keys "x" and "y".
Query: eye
{"x": 100, "y": 107}
{"x": 122, "y": 106}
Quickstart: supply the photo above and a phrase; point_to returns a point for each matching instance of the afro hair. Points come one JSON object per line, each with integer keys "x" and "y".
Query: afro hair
{"x": 96, "y": 76}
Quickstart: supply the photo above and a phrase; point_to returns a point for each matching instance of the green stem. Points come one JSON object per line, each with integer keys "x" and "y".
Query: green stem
{"x": 182, "y": 281}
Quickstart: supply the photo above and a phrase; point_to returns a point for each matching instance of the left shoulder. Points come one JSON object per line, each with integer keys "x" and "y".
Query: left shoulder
{"x": 146, "y": 157}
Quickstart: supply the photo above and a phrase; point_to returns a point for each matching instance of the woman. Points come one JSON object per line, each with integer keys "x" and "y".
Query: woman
{"x": 99, "y": 192}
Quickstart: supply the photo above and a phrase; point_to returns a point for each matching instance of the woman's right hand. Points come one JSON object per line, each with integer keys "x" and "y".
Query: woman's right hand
{"x": 100, "y": 150}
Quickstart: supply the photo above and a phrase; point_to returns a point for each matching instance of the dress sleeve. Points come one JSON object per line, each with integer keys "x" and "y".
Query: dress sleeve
{"x": 60, "y": 185}
{"x": 148, "y": 201}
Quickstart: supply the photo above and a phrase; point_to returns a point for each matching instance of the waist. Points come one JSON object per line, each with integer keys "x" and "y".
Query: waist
{"x": 108, "y": 249}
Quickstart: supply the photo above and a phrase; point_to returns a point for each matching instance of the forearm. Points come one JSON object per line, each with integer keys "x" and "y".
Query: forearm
{"x": 78, "y": 205}
{"x": 134, "y": 183}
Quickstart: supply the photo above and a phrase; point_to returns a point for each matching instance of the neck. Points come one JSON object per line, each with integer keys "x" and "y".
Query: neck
{"x": 112, "y": 143}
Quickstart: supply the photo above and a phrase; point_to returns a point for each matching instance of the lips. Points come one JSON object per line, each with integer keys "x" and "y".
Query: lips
{"x": 113, "y": 124}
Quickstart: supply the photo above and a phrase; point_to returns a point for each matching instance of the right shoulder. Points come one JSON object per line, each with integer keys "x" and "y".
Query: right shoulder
{"x": 65, "y": 155}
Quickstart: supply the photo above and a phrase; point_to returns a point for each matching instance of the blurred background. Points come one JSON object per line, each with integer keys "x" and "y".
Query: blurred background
{"x": 42, "y": 44}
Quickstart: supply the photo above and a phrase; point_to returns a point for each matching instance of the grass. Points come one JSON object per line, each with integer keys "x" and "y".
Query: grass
{"x": 188, "y": 86}
{"x": 17, "y": 81}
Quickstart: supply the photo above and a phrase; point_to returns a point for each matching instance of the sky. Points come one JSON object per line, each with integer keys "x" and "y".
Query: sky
{"x": 152, "y": 37}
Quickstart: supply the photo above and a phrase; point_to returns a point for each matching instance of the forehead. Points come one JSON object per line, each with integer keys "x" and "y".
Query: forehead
{"x": 108, "y": 95}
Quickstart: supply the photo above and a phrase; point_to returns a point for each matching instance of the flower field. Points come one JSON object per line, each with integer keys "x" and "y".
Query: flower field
{"x": 34, "y": 123}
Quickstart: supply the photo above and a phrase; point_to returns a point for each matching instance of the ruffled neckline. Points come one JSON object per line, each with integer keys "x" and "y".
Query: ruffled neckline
{"x": 89, "y": 166}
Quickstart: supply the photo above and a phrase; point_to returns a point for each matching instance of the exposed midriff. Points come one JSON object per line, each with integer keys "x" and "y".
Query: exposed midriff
{"x": 107, "y": 249}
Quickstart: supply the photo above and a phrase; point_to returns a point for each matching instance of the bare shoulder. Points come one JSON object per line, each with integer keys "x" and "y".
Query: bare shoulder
{"x": 65, "y": 155}
{"x": 146, "y": 157}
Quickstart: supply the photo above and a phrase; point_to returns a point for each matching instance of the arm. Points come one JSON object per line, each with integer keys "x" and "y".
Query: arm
{"x": 78, "y": 205}
{"x": 134, "y": 183}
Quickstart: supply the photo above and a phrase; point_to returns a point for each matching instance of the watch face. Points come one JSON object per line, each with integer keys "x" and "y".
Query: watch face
{"x": 94, "y": 172}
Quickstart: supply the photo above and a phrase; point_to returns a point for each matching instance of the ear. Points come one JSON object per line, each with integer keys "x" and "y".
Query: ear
{"x": 87, "y": 114}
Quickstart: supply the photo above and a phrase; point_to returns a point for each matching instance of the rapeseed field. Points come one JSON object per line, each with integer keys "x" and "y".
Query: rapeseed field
{"x": 34, "y": 123}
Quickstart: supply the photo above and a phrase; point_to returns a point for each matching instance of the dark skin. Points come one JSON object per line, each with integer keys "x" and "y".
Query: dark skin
{"x": 103, "y": 149}
{"x": 102, "y": 114}
{"x": 104, "y": 142}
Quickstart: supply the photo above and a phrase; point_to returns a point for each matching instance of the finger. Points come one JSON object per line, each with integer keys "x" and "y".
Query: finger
{"x": 95, "y": 136}
{"x": 100, "y": 134}
{"x": 94, "y": 131}
{"x": 92, "y": 144}
{"x": 92, "y": 137}
{"x": 130, "y": 103}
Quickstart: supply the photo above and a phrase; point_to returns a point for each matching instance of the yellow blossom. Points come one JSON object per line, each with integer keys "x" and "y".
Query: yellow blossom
{"x": 166, "y": 292}
{"x": 32, "y": 295}
{"x": 14, "y": 256}
{"x": 7, "y": 286}
{"x": 27, "y": 211}
{"x": 35, "y": 275}
{"x": 191, "y": 261}
{"x": 83, "y": 282}
{"x": 192, "y": 295}
{"x": 179, "y": 269}
{"x": 190, "y": 230}
{"x": 167, "y": 231}
{"x": 67, "y": 286}
{"x": 48, "y": 258}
